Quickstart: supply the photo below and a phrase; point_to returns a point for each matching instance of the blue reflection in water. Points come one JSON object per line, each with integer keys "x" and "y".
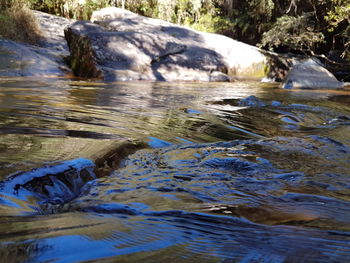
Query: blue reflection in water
{"x": 158, "y": 143}
{"x": 184, "y": 140}
{"x": 144, "y": 237}
{"x": 75, "y": 249}
{"x": 193, "y": 111}
{"x": 5, "y": 201}
{"x": 245, "y": 131}
{"x": 128, "y": 214}
{"x": 199, "y": 235}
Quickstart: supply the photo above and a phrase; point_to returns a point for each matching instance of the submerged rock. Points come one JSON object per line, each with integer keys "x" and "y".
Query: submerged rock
{"x": 121, "y": 45}
{"x": 310, "y": 74}
{"x": 61, "y": 182}
{"x": 54, "y": 184}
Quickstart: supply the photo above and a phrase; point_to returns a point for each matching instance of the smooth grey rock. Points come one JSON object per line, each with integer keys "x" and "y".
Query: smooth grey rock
{"x": 310, "y": 74}
{"x": 46, "y": 59}
{"x": 52, "y": 30}
{"x": 17, "y": 59}
{"x": 121, "y": 45}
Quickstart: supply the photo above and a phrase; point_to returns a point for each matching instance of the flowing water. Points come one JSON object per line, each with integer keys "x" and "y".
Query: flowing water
{"x": 173, "y": 172}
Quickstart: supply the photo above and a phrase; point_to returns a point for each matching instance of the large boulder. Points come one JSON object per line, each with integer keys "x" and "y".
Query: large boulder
{"x": 310, "y": 74}
{"x": 52, "y": 31}
{"x": 120, "y": 45}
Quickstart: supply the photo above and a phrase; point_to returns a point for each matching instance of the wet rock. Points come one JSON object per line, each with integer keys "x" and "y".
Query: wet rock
{"x": 61, "y": 182}
{"x": 121, "y": 45}
{"x": 110, "y": 158}
{"x": 55, "y": 184}
{"x": 310, "y": 74}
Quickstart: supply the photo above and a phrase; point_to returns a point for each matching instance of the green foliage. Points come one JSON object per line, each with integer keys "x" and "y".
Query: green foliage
{"x": 7, "y": 4}
{"x": 77, "y": 9}
{"x": 260, "y": 11}
{"x": 339, "y": 17}
{"x": 339, "y": 13}
{"x": 295, "y": 24}
{"x": 213, "y": 24}
{"x": 295, "y": 32}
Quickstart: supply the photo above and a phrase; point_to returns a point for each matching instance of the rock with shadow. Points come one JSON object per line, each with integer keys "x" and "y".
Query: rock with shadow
{"x": 46, "y": 58}
{"x": 119, "y": 45}
{"x": 310, "y": 74}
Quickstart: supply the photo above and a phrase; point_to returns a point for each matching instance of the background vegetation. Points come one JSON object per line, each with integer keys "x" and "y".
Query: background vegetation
{"x": 308, "y": 26}
{"x": 17, "y": 22}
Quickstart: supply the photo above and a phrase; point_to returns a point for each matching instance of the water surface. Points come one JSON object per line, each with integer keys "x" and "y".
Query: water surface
{"x": 177, "y": 172}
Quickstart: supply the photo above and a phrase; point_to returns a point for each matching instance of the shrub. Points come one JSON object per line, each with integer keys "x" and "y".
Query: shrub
{"x": 17, "y": 22}
{"x": 213, "y": 24}
{"x": 339, "y": 20}
{"x": 294, "y": 32}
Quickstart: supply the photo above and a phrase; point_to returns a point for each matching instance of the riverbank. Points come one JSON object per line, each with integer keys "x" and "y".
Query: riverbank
{"x": 114, "y": 49}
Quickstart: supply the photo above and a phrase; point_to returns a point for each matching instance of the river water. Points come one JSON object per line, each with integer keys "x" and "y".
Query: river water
{"x": 173, "y": 172}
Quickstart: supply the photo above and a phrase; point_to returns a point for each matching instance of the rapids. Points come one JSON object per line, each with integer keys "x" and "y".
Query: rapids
{"x": 177, "y": 172}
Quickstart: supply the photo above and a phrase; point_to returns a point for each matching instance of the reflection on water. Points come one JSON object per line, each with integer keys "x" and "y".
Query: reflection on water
{"x": 158, "y": 172}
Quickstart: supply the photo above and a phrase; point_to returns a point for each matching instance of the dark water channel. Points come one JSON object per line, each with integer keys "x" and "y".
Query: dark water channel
{"x": 173, "y": 172}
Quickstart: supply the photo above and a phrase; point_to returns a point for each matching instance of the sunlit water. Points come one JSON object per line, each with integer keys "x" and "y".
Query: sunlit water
{"x": 173, "y": 172}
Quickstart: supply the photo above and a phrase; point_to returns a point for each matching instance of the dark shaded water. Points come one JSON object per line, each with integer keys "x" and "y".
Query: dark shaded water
{"x": 94, "y": 172}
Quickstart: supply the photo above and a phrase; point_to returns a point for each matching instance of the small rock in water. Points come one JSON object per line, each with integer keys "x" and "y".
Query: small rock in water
{"x": 251, "y": 101}
{"x": 54, "y": 184}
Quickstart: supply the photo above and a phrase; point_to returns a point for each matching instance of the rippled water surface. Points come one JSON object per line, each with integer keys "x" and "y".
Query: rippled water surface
{"x": 173, "y": 172}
